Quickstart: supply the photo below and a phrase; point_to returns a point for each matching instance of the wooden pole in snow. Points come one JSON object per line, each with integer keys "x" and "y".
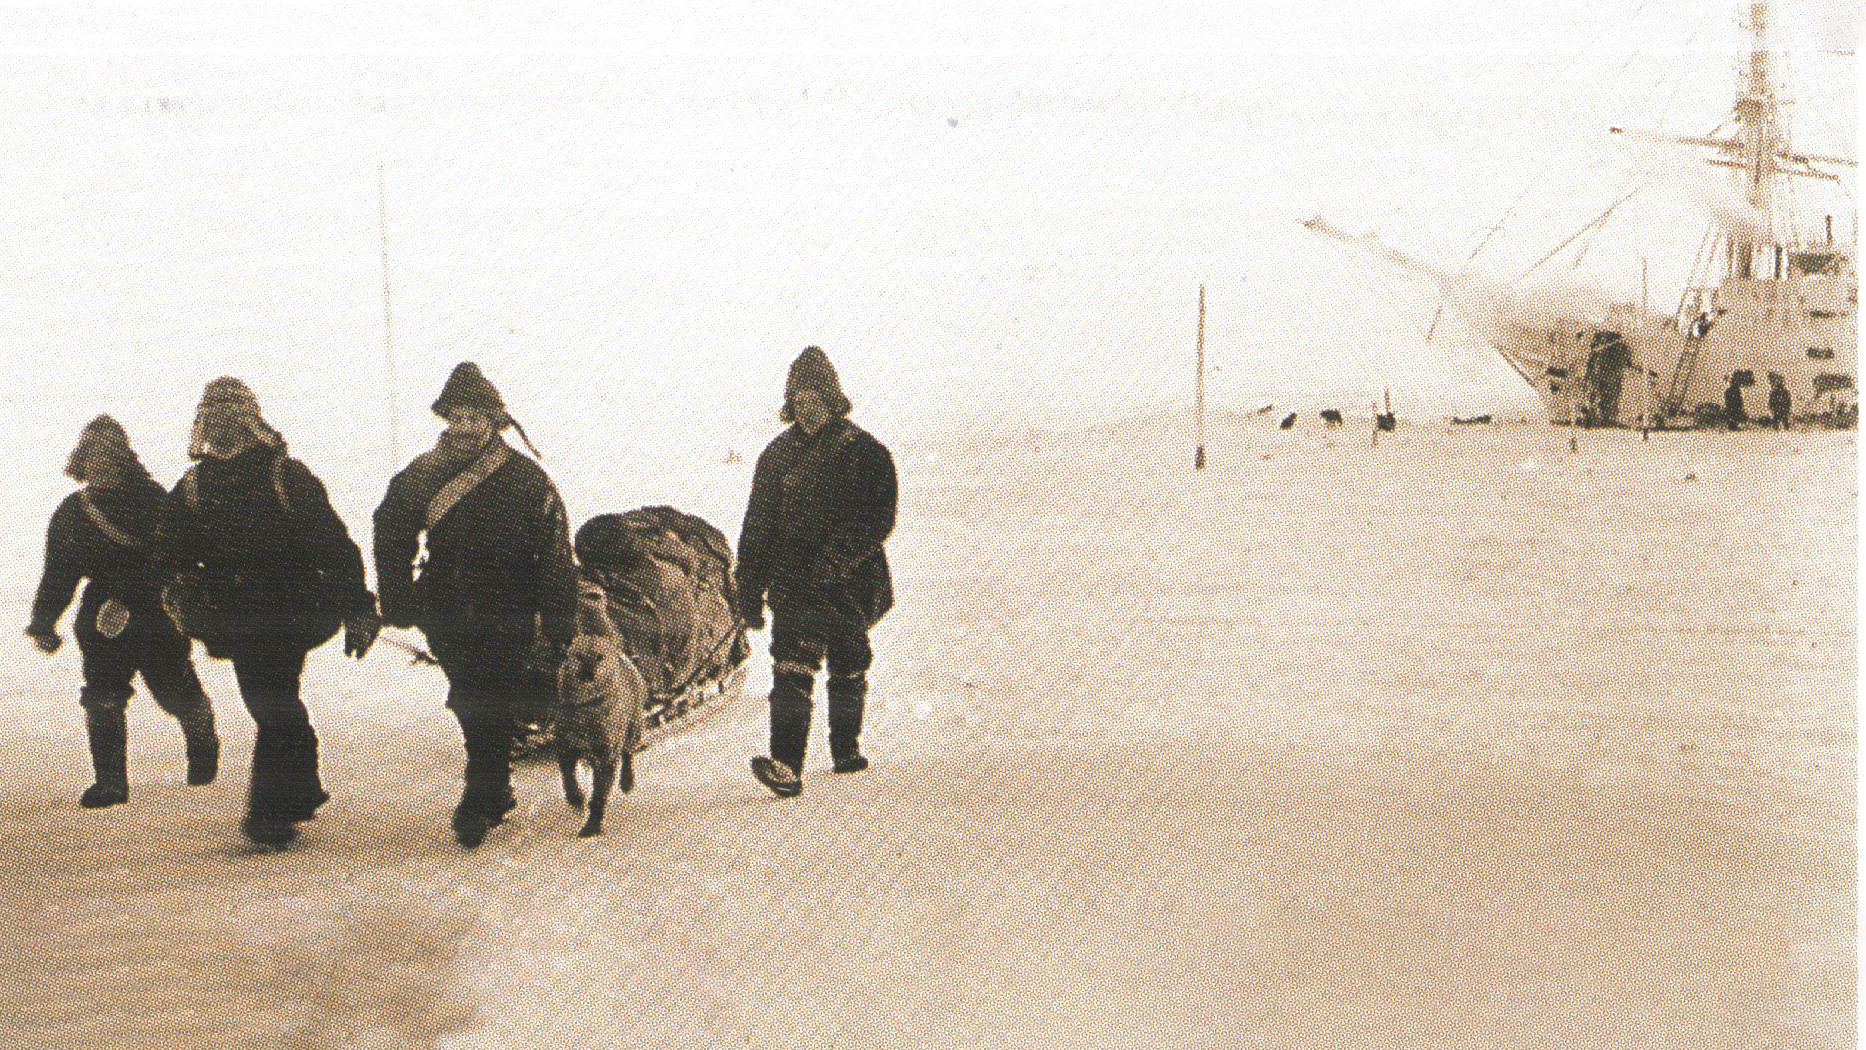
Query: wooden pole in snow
{"x": 1198, "y": 456}
{"x": 388, "y": 328}
{"x": 1574, "y": 414}
{"x": 1645, "y": 393}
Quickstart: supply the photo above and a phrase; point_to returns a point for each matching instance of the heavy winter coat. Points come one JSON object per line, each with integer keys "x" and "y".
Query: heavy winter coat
{"x": 1780, "y": 403}
{"x": 1733, "y": 403}
{"x": 273, "y": 560}
{"x": 104, "y": 535}
{"x": 498, "y": 567}
{"x": 821, "y": 508}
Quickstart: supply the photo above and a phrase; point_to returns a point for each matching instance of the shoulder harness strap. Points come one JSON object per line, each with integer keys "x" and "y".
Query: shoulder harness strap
{"x": 105, "y": 525}
{"x": 466, "y": 481}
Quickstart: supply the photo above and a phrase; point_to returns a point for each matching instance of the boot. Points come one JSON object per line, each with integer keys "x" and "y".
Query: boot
{"x": 470, "y": 827}
{"x": 779, "y": 778}
{"x": 301, "y": 789}
{"x": 848, "y": 696}
{"x": 268, "y": 829}
{"x": 267, "y": 822}
{"x": 202, "y": 743}
{"x": 790, "y": 718}
{"x": 507, "y": 803}
{"x": 476, "y": 814}
{"x": 108, "y": 737}
{"x": 304, "y": 809}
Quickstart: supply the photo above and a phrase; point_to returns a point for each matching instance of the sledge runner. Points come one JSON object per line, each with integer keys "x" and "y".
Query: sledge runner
{"x": 822, "y": 505}
{"x": 103, "y": 533}
{"x": 262, "y": 570}
{"x": 499, "y": 573}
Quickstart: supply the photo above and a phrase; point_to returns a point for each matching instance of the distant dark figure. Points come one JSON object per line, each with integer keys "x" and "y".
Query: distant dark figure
{"x": 261, "y": 569}
{"x": 1733, "y": 414}
{"x": 1779, "y": 401}
{"x": 1386, "y": 420}
{"x": 102, "y": 532}
{"x": 1289, "y": 421}
{"x": 1331, "y": 417}
{"x": 822, "y": 507}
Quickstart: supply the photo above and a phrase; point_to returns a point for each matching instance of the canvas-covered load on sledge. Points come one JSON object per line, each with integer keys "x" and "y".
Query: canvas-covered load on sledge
{"x": 667, "y": 577}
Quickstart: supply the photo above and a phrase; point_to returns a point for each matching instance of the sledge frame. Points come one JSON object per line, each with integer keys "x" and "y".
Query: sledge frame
{"x": 691, "y": 706}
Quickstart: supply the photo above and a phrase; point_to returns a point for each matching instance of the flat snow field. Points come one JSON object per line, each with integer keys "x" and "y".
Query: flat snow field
{"x": 1462, "y": 740}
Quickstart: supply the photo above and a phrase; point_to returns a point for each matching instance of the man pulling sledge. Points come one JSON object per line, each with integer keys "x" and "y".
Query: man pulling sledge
{"x": 499, "y": 570}
{"x": 822, "y": 505}
{"x": 103, "y": 532}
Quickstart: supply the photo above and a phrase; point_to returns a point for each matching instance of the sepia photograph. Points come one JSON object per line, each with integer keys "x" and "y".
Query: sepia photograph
{"x": 941, "y": 524}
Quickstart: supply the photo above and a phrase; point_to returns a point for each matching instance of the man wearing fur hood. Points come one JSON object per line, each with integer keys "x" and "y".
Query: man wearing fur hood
{"x": 822, "y": 505}
{"x": 499, "y": 573}
{"x": 261, "y": 570}
{"x": 103, "y": 532}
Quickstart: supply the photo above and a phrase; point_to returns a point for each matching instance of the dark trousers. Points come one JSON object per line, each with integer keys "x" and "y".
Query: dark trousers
{"x": 797, "y": 650}
{"x": 149, "y": 647}
{"x": 488, "y": 702}
{"x": 156, "y": 652}
{"x": 285, "y": 765}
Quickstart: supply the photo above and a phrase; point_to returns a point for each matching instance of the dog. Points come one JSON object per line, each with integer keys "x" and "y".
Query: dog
{"x": 600, "y": 695}
{"x": 1331, "y": 417}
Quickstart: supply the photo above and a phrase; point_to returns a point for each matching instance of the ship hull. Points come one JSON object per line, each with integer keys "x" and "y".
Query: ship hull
{"x": 1635, "y": 370}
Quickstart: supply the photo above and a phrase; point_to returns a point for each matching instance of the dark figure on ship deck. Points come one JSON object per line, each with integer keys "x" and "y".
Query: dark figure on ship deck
{"x": 102, "y": 533}
{"x": 261, "y": 570}
{"x": 822, "y": 505}
{"x": 1733, "y": 414}
{"x": 497, "y": 586}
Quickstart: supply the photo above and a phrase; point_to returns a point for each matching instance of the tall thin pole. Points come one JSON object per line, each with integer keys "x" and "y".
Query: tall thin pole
{"x": 1198, "y": 457}
{"x": 388, "y": 326}
{"x": 1645, "y": 398}
{"x": 1574, "y": 415}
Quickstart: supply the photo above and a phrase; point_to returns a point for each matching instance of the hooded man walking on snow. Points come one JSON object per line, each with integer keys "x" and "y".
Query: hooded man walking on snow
{"x": 103, "y": 532}
{"x": 499, "y": 571}
{"x": 262, "y": 570}
{"x": 822, "y": 505}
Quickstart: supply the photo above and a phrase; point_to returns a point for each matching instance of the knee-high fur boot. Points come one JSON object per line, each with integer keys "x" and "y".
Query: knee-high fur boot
{"x": 104, "y": 724}
{"x": 202, "y": 742}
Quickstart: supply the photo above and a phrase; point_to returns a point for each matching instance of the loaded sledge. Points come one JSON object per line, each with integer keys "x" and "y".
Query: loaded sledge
{"x": 667, "y": 578}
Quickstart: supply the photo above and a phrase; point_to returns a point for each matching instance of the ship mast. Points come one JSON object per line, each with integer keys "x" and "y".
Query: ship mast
{"x": 1757, "y": 115}
{"x": 1759, "y": 149}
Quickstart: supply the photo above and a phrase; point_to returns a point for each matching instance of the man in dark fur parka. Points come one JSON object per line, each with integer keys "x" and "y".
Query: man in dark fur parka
{"x": 499, "y": 570}
{"x": 261, "y": 569}
{"x": 103, "y": 532}
{"x": 822, "y": 505}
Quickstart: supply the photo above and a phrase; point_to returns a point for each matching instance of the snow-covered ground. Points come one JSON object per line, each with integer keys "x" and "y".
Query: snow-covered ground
{"x": 1460, "y": 740}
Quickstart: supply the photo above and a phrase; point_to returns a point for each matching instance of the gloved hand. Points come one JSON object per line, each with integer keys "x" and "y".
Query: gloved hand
{"x": 359, "y": 633}
{"x": 47, "y": 641}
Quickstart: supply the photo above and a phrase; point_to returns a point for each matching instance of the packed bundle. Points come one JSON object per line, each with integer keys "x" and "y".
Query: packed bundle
{"x": 668, "y": 579}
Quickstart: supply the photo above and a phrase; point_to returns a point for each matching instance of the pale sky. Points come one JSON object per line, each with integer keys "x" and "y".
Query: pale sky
{"x": 633, "y": 216}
